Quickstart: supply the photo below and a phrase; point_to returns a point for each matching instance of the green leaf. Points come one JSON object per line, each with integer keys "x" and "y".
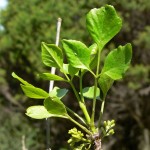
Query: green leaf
{"x": 68, "y": 69}
{"x": 117, "y": 62}
{"x": 57, "y": 92}
{"x": 38, "y": 112}
{"x": 93, "y": 49}
{"x": 78, "y": 54}
{"x": 94, "y": 56}
{"x": 49, "y": 76}
{"x": 52, "y": 55}
{"x": 20, "y": 79}
{"x": 30, "y": 90}
{"x": 105, "y": 83}
{"x": 103, "y": 24}
{"x": 34, "y": 92}
{"x": 115, "y": 65}
{"x": 55, "y": 107}
{"x": 88, "y": 92}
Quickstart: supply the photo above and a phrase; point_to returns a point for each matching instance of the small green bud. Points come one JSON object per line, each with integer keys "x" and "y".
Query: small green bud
{"x": 107, "y": 129}
{"x": 112, "y": 124}
{"x": 69, "y": 141}
{"x": 76, "y": 136}
{"x": 105, "y": 123}
{"x": 111, "y": 132}
{"x": 108, "y": 122}
{"x": 112, "y": 121}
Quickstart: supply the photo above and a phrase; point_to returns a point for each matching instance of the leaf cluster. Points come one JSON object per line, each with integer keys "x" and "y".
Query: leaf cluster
{"x": 102, "y": 24}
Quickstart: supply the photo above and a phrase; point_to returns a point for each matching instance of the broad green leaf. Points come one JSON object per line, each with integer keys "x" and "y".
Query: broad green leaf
{"x": 57, "y": 92}
{"x": 117, "y": 62}
{"x": 30, "y": 90}
{"x": 20, "y": 79}
{"x": 49, "y": 76}
{"x": 68, "y": 69}
{"x": 103, "y": 24}
{"x": 78, "y": 54}
{"x": 38, "y": 112}
{"x": 55, "y": 107}
{"x": 34, "y": 92}
{"x": 88, "y": 92}
{"x": 52, "y": 55}
{"x": 115, "y": 65}
{"x": 105, "y": 83}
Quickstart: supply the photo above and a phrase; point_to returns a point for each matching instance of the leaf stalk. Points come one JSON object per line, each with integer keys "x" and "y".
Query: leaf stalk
{"x": 76, "y": 115}
{"x": 95, "y": 91}
{"x": 101, "y": 112}
{"x": 81, "y": 104}
{"x": 81, "y": 126}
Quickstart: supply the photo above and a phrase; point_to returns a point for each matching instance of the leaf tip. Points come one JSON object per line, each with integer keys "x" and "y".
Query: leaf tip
{"x": 129, "y": 45}
{"x": 64, "y": 41}
{"x": 109, "y": 6}
{"x": 13, "y": 74}
{"x": 28, "y": 111}
{"x": 42, "y": 43}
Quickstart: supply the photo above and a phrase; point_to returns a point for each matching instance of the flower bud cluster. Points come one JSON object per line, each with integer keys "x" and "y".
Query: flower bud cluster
{"x": 76, "y": 136}
{"x": 107, "y": 129}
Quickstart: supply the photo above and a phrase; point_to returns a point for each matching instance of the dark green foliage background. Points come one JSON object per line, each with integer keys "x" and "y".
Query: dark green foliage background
{"x": 25, "y": 24}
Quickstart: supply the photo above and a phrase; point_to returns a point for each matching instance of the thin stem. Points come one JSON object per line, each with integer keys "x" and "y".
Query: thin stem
{"x": 81, "y": 126}
{"x": 81, "y": 104}
{"x": 66, "y": 76}
{"x": 81, "y": 93}
{"x": 95, "y": 90}
{"x": 75, "y": 92}
{"x": 76, "y": 115}
{"x": 98, "y": 60}
{"x": 94, "y": 105}
{"x": 91, "y": 72}
{"x": 101, "y": 112}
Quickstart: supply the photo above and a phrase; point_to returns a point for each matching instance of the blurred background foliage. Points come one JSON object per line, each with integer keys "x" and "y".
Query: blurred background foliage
{"x": 25, "y": 24}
